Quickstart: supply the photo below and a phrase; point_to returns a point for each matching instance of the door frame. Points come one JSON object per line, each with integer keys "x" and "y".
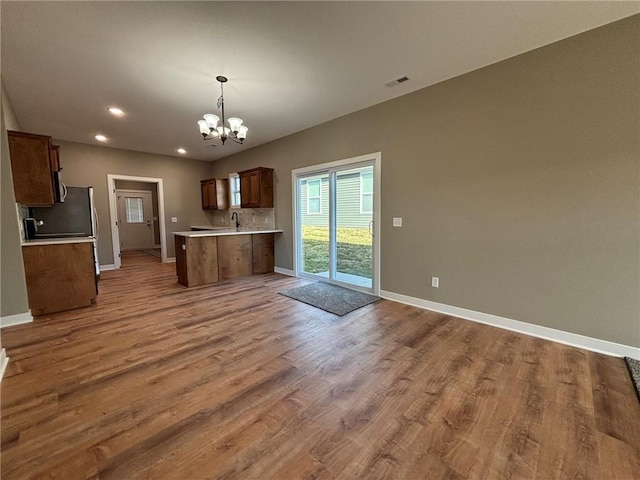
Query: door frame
{"x": 376, "y": 158}
{"x": 113, "y": 214}
{"x": 125, "y": 191}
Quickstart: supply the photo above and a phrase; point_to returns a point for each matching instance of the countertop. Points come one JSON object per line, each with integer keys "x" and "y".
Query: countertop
{"x": 57, "y": 241}
{"x": 216, "y": 232}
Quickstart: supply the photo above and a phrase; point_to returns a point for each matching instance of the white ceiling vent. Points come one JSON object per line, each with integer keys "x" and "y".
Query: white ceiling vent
{"x": 398, "y": 81}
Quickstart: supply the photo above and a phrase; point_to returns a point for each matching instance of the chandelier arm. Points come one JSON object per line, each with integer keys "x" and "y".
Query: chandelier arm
{"x": 235, "y": 139}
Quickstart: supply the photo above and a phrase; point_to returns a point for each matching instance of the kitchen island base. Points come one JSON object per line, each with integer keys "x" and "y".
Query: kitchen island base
{"x": 205, "y": 259}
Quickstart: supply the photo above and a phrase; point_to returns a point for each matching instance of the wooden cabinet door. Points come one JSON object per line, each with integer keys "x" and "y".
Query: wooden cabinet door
{"x": 256, "y": 188}
{"x": 59, "y": 277}
{"x": 202, "y": 260}
{"x": 263, "y": 253}
{"x": 208, "y": 188}
{"x": 250, "y": 190}
{"x": 215, "y": 193}
{"x": 31, "y": 167}
{"x": 234, "y": 256}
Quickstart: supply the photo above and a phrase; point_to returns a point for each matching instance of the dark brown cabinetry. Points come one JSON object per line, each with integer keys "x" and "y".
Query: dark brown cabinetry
{"x": 59, "y": 277}
{"x": 215, "y": 193}
{"x": 35, "y": 164}
{"x": 256, "y": 188}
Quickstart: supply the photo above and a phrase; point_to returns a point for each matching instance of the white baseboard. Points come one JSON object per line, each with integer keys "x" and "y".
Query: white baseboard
{"x": 16, "y": 319}
{"x": 284, "y": 271}
{"x": 560, "y": 336}
{"x": 4, "y": 361}
{"x": 171, "y": 260}
{"x": 110, "y": 266}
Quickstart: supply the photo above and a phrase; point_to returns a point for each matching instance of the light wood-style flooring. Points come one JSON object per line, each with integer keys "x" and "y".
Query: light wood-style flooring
{"x": 234, "y": 381}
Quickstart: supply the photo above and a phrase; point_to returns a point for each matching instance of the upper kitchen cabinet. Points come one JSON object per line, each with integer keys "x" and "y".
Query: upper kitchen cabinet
{"x": 215, "y": 193}
{"x": 256, "y": 188}
{"x": 35, "y": 164}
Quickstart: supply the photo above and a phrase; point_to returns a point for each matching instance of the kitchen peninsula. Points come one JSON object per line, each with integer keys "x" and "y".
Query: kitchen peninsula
{"x": 211, "y": 256}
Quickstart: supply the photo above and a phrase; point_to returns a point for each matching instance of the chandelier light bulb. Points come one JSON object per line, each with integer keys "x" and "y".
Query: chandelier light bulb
{"x": 204, "y": 127}
{"x": 227, "y": 131}
{"x": 235, "y": 124}
{"x": 242, "y": 132}
{"x": 212, "y": 120}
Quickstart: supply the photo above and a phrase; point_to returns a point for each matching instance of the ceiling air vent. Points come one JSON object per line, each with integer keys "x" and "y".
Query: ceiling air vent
{"x": 398, "y": 81}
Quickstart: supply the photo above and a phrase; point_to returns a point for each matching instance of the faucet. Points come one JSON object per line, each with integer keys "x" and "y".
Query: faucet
{"x": 235, "y": 215}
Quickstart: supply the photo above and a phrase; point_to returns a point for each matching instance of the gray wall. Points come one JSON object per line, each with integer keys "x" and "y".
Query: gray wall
{"x": 518, "y": 184}
{"x": 88, "y": 165}
{"x": 13, "y": 288}
{"x": 145, "y": 187}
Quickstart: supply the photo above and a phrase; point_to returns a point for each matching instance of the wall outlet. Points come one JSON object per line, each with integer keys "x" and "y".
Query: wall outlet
{"x": 174, "y": 219}
{"x": 397, "y": 221}
{"x": 435, "y": 282}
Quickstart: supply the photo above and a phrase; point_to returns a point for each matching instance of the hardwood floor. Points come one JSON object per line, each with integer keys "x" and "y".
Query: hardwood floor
{"x": 233, "y": 381}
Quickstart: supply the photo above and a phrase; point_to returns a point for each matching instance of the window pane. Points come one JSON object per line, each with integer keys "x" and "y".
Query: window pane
{"x": 234, "y": 189}
{"x": 314, "y": 188}
{"x": 314, "y": 205}
{"x": 367, "y": 182}
{"x": 133, "y": 207}
{"x": 367, "y": 203}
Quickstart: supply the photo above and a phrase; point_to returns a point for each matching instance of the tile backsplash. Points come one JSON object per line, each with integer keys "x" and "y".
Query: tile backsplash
{"x": 248, "y": 217}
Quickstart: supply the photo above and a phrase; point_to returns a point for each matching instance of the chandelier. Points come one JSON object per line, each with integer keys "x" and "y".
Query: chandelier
{"x": 209, "y": 126}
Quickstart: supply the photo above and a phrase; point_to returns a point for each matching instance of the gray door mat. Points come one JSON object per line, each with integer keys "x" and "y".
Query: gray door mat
{"x": 331, "y": 298}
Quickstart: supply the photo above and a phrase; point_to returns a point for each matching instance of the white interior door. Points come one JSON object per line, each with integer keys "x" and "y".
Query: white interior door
{"x": 135, "y": 220}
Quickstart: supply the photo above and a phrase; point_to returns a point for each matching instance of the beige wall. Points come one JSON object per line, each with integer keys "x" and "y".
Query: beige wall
{"x": 518, "y": 184}
{"x": 88, "y": 165}
{"x": 13, "y": 289}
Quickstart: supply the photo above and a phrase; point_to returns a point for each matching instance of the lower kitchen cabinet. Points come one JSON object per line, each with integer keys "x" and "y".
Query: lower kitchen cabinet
{"x": 234, "y": 256}
{"x": 196, "y": 261}
{"x": 262, "y": 253}
{"x": 201, "y": 260}
{"x": 59, "y": 276}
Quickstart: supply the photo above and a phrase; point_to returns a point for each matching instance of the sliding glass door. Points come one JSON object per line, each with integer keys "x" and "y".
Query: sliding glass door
{"x": 335, "y": 223}
{"x": 314, "y": 224}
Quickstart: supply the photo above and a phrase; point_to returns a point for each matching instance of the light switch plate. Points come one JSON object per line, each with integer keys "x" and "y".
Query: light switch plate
{"x": 174, "y": 219}
{"x": 397, "y": 221}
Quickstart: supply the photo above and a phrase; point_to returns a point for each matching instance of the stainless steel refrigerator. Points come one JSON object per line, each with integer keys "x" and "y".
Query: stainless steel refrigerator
{"x": 76, "y": 217}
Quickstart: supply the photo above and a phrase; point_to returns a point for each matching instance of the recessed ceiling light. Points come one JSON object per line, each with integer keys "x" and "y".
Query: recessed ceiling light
{"x": 100, "y": 137}
{"x": 116, "y": 111}
{"x": 181, "y": 151}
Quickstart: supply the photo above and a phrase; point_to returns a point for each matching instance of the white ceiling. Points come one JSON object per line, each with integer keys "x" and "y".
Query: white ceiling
{"x": 291, "y": 65}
